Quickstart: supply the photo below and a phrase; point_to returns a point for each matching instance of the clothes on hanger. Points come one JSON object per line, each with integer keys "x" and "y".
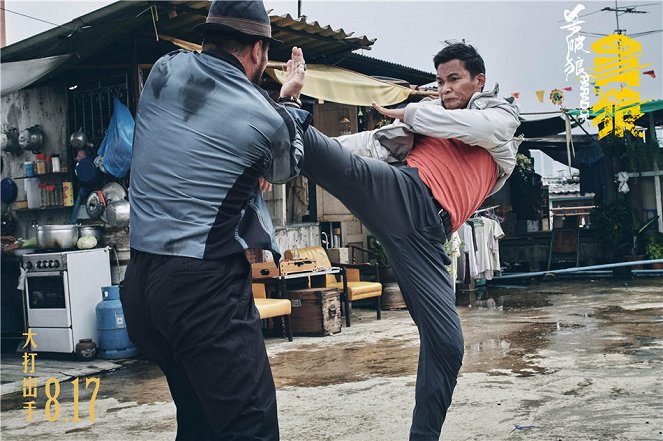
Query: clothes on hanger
{"x": 452, "y": 248}
{"x": 467, "y": 237}
{"x": 487, "y": 232}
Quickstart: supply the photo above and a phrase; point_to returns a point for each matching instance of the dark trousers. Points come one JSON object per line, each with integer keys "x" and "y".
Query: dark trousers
{"x": 196, "y": 319}
{"x": 395, "y": 205}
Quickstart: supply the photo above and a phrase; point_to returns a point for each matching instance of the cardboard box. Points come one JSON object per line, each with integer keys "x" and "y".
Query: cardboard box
{"x": 338, "y": 255}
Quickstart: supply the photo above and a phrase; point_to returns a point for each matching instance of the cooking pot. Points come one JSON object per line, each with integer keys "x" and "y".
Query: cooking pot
{"x": 96, "y": 204}
{"x": 78, "y": 140}
{"x": 117, "y": 213}
{"x": 57, "y": 237}
{"x": 9, "y": 141}
{"x": 90, "y": 230}
{"x": 31, "y": 139}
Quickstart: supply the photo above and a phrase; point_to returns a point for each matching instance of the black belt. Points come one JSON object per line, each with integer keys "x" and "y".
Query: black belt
{"x": 444, "y": 215}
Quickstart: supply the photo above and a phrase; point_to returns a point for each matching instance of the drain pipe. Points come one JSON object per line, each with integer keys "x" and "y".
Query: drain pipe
{"x": 578, "y": 269}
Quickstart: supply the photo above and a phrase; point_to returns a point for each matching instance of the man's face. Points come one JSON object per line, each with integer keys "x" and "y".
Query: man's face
{"x": 455, "y": 84}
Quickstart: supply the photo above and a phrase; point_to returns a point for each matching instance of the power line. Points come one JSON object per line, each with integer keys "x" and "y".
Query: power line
{"x": 39, "y": 19}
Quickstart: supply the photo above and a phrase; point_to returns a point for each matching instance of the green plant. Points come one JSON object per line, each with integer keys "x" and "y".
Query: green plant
{"x": 618, "y": 229}
{"x": 654, "y": 247}
{"x": 378, "y": 252}
{"x": 638, "y": 233}
{"x": 524, "y": 165}
{"x": 635, "y": 154}
{"x": 612, "y": 224}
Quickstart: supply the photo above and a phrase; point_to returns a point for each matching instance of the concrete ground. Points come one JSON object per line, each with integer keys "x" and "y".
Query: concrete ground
{"x": 559, "y": 360}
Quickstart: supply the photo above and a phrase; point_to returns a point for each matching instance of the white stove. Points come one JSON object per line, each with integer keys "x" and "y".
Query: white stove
{"x": 61, "y": 292}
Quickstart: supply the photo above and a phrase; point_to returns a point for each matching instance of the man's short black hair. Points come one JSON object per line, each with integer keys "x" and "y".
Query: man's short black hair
{"x": 464, "y": 53}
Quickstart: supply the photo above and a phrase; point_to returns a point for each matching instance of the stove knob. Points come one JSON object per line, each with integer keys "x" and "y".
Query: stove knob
{"x": 39, "y": 264}
{"x": 56, "y": 264}
{"x": 50, "y": 264}
{"x": 28, "y": 265}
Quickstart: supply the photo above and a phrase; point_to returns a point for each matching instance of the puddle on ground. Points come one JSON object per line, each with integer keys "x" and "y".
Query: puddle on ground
{"x": 511, "y": 354}
{"x": 344, "y": 364}
{"x": 502, "y": 337}
{"x": 640, "y": 331}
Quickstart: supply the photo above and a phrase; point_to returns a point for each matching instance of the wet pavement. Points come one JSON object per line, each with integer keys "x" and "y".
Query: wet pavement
{"x": 559, "y": 360}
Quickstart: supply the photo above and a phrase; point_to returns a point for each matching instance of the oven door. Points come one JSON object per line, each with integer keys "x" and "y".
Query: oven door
{"x": 47, "y": 299}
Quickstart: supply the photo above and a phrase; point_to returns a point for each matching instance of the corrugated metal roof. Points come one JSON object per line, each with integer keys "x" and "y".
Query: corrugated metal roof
{"x": 176, "y": 18}
{"x": 123, "y": 33}
{"x": 377, "y": 67}
{"x": 291, "y": 30}
{"x": 558, "y": 189}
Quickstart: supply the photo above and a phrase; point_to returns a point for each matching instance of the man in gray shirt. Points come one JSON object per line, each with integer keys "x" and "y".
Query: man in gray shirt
{"x": 205, "y": 134}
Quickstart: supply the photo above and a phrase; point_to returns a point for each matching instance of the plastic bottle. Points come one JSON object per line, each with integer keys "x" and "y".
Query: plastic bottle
{"x": 29, "y": 168}
{"x": 51, "y": 195}
{"x": 32, "y": 192}
{"x": 58, "y": 195}
{"x": 44, "y": 195}
{"x": 55, "y": 163}
{"x": 41, "y": 164}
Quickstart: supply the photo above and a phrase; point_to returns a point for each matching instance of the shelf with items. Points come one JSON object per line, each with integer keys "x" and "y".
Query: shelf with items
{"x": 52, "y": 207}
{"x": 44, "y": 175}
{"x": 45, "y": 193}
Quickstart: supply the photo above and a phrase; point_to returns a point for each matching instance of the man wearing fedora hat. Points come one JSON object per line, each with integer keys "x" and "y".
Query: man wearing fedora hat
{"x": 205, "y": 135}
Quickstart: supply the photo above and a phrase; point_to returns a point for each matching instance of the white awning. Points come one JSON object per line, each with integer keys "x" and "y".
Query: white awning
{"x": 17, "y": 75}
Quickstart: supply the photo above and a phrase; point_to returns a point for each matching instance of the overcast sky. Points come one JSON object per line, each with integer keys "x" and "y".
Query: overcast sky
{"x": 521, "y": 42}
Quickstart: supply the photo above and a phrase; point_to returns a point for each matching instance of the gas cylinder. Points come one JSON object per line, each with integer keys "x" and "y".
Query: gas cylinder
{"x": 112, "y": 330}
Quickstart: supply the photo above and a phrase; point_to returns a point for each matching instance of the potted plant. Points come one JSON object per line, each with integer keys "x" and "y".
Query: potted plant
{"x": 612, "y": 224}
{"x": 637, "y": 247}
{"x": 377, "y": 252}
{"x": 618, "y": 230}
{"x": 654, "y": 249}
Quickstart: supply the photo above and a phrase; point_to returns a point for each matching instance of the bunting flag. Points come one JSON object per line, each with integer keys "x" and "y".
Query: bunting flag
{"x": 515, "y": 94}
{"x": 539, "y": 95}
{"x": 651, "y": 73}
{"x": 568, "y": 89}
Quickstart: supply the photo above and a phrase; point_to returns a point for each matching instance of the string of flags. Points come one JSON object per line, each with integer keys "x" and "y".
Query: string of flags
{"x": 556, "y": 96}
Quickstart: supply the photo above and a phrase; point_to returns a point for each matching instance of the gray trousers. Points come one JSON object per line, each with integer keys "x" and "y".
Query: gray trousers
{"x": 396, "y": 206}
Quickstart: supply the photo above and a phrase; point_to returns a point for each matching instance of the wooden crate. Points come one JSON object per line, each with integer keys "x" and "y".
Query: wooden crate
{"x": 315, "y": 311}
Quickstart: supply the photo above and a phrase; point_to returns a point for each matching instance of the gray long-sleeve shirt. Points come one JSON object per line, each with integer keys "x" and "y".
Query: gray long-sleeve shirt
{"x": 204, "y": 135}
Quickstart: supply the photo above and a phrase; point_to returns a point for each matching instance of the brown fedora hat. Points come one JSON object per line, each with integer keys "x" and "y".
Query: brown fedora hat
{"x": 239, "y": 17}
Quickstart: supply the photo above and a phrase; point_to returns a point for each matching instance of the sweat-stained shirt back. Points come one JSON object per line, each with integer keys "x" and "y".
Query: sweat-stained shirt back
{"x": 204, "y": 135}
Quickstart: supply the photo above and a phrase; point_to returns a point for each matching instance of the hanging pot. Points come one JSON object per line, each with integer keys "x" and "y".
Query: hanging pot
{"x": 31, "y": 139}
{"x": 96, "y": 204}
{"x": 78, "y": 140}
{"x": 9, "y": 141}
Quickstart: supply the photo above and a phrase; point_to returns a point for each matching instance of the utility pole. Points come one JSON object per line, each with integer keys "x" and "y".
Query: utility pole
{"x": 3, "y": 29}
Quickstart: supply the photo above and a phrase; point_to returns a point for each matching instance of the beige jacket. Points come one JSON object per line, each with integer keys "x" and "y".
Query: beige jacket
{"x": 488, "y": 121}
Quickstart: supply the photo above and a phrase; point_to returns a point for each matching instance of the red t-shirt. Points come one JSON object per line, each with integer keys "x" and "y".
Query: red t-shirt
{"x": 460, "y": 176}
